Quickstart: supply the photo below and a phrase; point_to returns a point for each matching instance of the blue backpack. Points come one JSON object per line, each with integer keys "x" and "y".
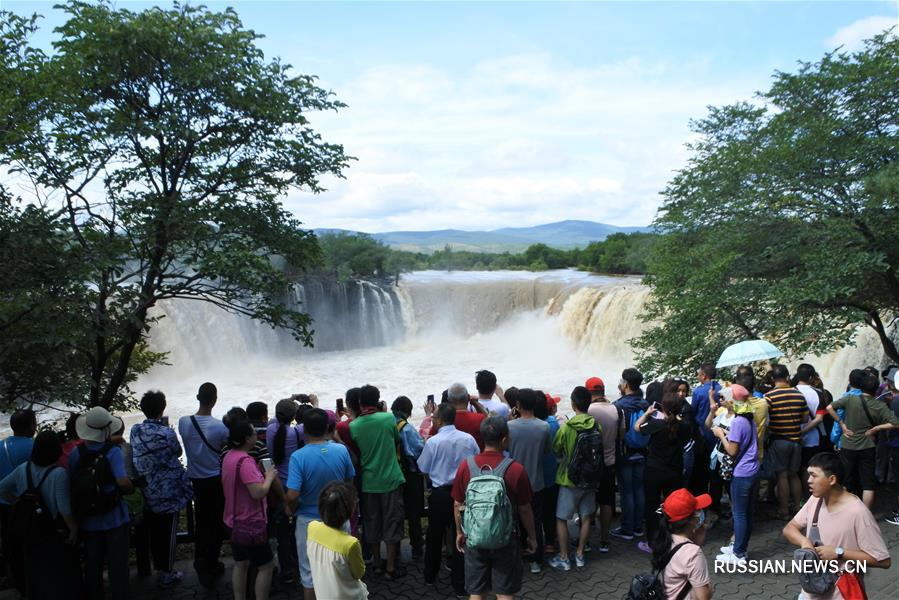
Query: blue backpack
{"x": 836, "y": 432}
{"x": 633, "y": 439}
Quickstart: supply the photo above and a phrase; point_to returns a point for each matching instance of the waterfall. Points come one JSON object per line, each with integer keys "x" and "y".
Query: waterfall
{"x": 345, "y": 316}
{"x": 597, "y": 316}
{"x": 602, "y": 320}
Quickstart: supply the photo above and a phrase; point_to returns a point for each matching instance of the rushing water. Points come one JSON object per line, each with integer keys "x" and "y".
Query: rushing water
{"x": 544, "y": 330}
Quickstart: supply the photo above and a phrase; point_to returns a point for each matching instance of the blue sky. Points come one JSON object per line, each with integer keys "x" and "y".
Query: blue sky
{"x": 483, "y": 115}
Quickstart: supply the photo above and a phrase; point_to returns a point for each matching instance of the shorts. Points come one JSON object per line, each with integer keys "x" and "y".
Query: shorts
{"x": 499, "y": 571}
{"x": 259, "y": 555}
{"x": 575, "y": 500}
{"x": 859, "y": 465}
{"x": 785, "y": 456}
{"x": 383, "y": 516}
{"x": 605, "y": 494}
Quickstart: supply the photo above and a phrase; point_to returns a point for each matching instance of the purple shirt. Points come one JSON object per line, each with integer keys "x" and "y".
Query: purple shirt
{"x": 292, "y": 440}
{"x": 742, "y": 431}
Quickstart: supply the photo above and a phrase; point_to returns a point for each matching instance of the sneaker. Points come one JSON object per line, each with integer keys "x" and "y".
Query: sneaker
{"x": 168, "y": 579}
{"x": 557, "y": 562}
{"x": 729, "y": 549}
{"x": 604, "y": 547}
{"x": 893, "y": 519}
{"x": 622, "y": 533}
{"x": 579, "y": 560}
{"x": 638, "y": 533}
{"x": 535, "y": 568}
{"x": 730, "y": 559}
{"x": 587, "y": 546}
{"x": 644, "y": 547}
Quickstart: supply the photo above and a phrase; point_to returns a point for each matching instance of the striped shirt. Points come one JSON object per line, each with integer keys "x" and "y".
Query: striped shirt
{"x": 787, "y": 411}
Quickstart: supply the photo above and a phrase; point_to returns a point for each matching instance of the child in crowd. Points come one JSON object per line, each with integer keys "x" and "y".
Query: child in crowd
{"x": 335, "y": 557}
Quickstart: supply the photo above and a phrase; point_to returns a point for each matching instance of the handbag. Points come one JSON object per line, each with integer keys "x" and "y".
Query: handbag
{"x": 816, "y": 580}
{"x": 250, "y": 531}
{"x": 851, "y": 586}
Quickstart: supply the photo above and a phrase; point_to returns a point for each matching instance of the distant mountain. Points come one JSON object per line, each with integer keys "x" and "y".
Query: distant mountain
{"x": 564, "y": 234}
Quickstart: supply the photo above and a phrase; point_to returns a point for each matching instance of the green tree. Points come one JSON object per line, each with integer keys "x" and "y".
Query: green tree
{"x": 167, "y": 138}
{"x": 782, "y": 226}
{"x": 353, "y": 255}
{"x": 542, "y": 257}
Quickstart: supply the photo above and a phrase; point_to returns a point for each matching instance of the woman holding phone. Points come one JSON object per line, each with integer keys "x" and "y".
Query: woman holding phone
{"x": 665, "y": 457}
{"x": 245, "y": 488}
{"x": 282, "y": 439}
{"x": 424, "y": 430}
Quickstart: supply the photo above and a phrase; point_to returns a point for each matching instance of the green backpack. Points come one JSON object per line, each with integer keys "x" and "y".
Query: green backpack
{"x": 487, "y": 520}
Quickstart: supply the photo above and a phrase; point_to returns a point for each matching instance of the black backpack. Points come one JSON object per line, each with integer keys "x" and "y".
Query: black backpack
{"x": 90, "y": 480}
{"x": 29, "y": 516}
{"x": 649, "y": 586}
{"x": 587, "y": 459}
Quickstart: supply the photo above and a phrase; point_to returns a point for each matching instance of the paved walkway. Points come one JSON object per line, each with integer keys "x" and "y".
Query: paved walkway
{"x": 605, "y": 576}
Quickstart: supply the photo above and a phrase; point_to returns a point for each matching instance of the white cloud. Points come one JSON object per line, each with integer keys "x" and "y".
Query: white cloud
{"x": 515, "y": 140}
{"x": 851, "y": 36}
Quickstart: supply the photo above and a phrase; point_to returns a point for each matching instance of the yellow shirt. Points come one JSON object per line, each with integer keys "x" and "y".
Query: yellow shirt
{"x": 335, "y": 559}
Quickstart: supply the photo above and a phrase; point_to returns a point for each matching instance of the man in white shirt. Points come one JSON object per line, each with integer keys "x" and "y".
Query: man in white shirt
{"x": 485, "y": 381}
{"x": 203, "y": 437}
{"x": 811, "y": 431}
{"x": 439, "y": 460}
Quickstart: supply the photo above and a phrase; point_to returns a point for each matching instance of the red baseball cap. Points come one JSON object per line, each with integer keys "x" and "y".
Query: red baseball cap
{"x": 680, "y": 504}
{"x": 595, "y": 384}
{"x": 552, "y": 399}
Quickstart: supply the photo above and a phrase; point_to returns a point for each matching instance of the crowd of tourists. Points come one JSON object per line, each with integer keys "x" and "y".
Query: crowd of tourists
{"x": 506, "y": 476}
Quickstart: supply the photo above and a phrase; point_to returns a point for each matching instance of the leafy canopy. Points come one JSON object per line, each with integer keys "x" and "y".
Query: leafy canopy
{"x": 783, "y": 224}
{"x": 158, "y": 144}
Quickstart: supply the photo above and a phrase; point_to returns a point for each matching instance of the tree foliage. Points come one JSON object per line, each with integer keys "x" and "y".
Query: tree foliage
{"x": 158, "y": 143}
{"x": 353, "y": 255}
{"x": 349, "y": 255}
{"x": 783, "y": 224}
{"x": 620, "y": 254}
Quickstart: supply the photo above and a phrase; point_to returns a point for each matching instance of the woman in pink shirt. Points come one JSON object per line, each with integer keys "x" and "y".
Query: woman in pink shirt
{"x": 245, "y": 489}
{"x": 677, "y": 551}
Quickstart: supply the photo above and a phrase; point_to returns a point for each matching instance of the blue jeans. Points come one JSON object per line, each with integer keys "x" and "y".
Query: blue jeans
{"x": 743, "y": 491}
{"x": 633, "y": 498}
{"x": 689, "y": 459}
